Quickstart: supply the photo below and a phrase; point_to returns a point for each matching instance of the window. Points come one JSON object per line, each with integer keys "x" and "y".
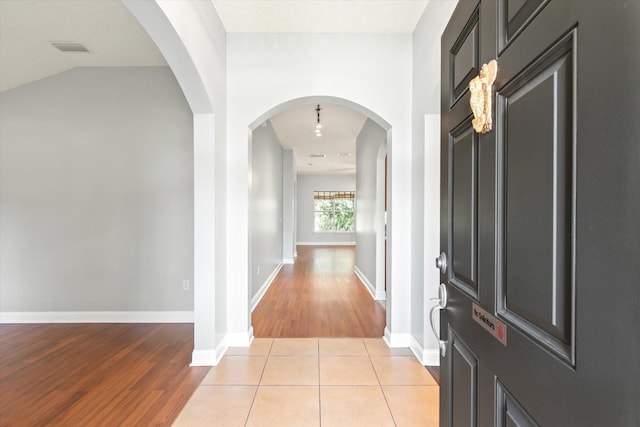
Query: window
{"x": 333, "y": 210}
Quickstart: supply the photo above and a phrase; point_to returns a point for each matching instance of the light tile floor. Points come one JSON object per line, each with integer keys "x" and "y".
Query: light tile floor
{"x": 314, "y": 382}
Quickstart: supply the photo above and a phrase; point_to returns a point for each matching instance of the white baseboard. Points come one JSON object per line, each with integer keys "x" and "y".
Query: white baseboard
{"x": 213, "y": 357}
{"x": 288, "y": 261}
{"x": 379, "y": 295}
{"x": 97, "y": 317}
{"x": 239, "y": 339}
{"x": 263, "y": 289}
{"x": 396, "y": 340}
{"x": 427, "y": 357}
{"x": 326, "y": 244}
{"x": 209, "y": 357}
{"x": 205, "y": 357}
{"x": 365, "y": 281}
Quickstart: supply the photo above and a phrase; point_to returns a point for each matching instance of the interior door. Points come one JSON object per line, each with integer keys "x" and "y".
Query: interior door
{"x": 539, "y": 218}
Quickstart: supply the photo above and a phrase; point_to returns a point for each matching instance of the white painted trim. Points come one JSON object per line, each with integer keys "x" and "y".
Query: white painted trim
{"x": 377, "y": 294}
{"x": 209, "y": 357}
{"x": 97, "y": 317}
{"x": 396, "y": 340}
{"x": 204, "y": 358}
{"x": 288, "y": 261}
{"x": 239, "y": 339}
{"x": 431, "y": 357}
{"x": 213, "y": 357}
{"x": 365, "y": 281}
{"x": 325, "y": 244}
{"x": 431, "y": 236}
{"x": 427, "y": 357}
{"x": 380, "y": 223}
{"x": 263, "y": 289}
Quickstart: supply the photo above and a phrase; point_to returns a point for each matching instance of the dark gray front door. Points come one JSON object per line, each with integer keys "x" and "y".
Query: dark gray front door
{"x": 540, "y": 216}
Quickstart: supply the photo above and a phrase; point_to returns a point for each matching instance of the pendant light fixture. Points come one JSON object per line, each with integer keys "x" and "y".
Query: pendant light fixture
{"x": 318, "y": 124}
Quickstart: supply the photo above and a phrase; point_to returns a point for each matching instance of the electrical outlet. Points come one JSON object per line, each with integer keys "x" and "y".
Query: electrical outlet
{"x": 185, "y": 285}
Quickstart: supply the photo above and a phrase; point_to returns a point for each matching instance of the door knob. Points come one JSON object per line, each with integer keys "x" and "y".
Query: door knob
{"x": 441, "y": 262}
{"x": 441, "y": 305}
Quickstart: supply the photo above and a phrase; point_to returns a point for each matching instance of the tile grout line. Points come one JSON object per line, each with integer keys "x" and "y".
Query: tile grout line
{"x": 380, "y": 385}
{"x": 319, "y": 388}
{"x": 259, "y": 381}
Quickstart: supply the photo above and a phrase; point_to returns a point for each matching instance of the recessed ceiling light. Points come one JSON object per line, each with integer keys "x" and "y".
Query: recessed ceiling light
{"x": 318, "y": 156}
{"x": 344, "y": 154}
{"x": 69, "y": 47}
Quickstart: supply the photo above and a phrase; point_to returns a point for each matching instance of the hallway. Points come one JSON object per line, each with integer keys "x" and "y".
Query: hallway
{"x": 319, "y": 296}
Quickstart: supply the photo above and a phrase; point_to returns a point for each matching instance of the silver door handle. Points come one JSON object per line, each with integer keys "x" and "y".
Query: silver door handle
{"x": 441, "y": 262}
{"x": 441, "y": 305}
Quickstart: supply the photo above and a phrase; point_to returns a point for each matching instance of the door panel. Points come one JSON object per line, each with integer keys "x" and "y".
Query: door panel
{"x": 539, "y": 217}
{"x": 462, "y": 369}
{"x": 509, "y": 413}
{"x": 514, "y": 16}
{"x": 536, "y": 142}
{"x": 463, "y": 158}
{"x": 464, "y": 58}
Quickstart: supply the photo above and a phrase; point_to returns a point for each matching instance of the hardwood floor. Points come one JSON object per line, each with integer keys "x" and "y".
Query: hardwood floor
{"x": 319, "y": 296}
{"x": 95, "y": 374}
{"x": 139, "y": 374}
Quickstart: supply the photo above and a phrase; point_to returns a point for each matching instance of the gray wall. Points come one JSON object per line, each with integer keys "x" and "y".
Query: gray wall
{"x": 288, "y": 206}
{"x": 96, "y": 193}
{"x": 265, "y": 204}
{"x": 367, "y": 146}
{"x": 307, "y": 184}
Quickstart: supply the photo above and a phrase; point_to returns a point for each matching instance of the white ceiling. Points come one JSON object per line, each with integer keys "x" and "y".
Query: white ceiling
{"x": 105, "y": 27}
{"x": 115, "y": 38}
{"x": 295, "y": 128}
{"x": 320, "y": 16}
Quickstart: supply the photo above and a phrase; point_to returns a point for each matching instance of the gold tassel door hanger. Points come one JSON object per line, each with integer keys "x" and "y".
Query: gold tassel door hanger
{"x": 480, "y": 101}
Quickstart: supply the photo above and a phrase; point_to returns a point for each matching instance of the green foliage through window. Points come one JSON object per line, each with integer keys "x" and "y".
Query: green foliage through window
{"x": 333, "y": 210}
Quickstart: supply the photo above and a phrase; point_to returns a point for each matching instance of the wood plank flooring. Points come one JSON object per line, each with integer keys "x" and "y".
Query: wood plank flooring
{"x": 319, "y": 296}
{"x": 95, "y": 374}
{"x": 139, "y": 374}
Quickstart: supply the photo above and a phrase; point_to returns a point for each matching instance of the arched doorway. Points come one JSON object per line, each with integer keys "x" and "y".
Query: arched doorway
{"x": 226, "y": 95}
{"x": 290, "y": 121}
{"x": 201, "y": 78}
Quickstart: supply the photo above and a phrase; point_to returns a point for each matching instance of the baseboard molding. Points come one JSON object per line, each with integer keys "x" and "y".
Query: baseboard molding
{"x": 326, "y": 243}
{"x": 396, "y": 340}
{"x": 97, "y": 317}
{"x": 205, "y": 358}
{"x": 239, "y": 339}
{"x": 209, "y": 357}
{"x": 365, "y": 281}
{"x": 213, "y": 357}
{"x": 427, "y": 357}
{"x": 288, "y": 261}
{"x": 263, "y": 289}
{"x": 378, "y": 295}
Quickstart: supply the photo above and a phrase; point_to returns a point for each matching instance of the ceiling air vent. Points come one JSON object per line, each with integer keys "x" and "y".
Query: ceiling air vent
{"x": 318, "y": 156}
{"x": 69, "y": 47}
